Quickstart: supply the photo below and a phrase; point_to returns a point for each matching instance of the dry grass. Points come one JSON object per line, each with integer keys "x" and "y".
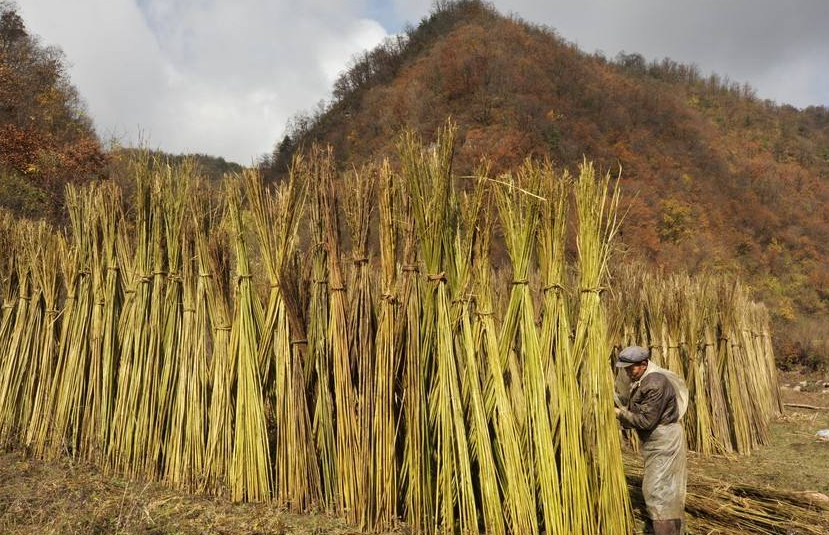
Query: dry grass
{"x": 68, "y": 498}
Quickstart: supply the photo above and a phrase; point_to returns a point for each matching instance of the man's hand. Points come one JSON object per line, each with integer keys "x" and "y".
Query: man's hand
{"x": 617, "y": 410}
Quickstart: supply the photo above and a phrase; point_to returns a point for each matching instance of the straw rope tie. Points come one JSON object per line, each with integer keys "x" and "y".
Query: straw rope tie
{"x": 332, "y": 289}
{"x": 411, "y": 267}
{"x": 597, "y": 290}
{"x": 436, "y": 277}
{"x": 223, "y": 328}
{"x": 188, "y": 309}
{"x": 360, "y": 260}
{"x": 558, "y": 288}
{"x": 299, "y": 341}
{"x": 518, "y": 282}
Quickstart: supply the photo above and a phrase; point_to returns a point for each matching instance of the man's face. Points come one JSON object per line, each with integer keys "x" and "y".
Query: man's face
{"x": 635, "y": 371}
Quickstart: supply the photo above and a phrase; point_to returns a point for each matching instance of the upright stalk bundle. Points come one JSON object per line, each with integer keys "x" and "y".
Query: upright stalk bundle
{"x": 38, "y": 323}
{"x": 383, "y": 445}
{"x": 17, "y": 364}
{"x": 93, "y": 445}
{"x": 212, "y": 251}
{"x": 519, "y": 208}
{"x": 149, "y": 349}
{"x": 174, "y": 198}
{"x": 349, "y": 464}
{"x": 110, "y": 220}
{"x": 428, "y": 177}
{"x": 70, "y": 386}
{"x": 562, "y": 370}
{"x": 50, "y": 419}
{"x": 721, "y": 428}
{"x": 515, "y": 472}
{"x": 185, "y": 451}
{"x": 417, "y": 470}
{"x": 733, "y": 370}
{"x": 102, "y": 200}
{"x": 8, "y": 277}
{"x": 276, "y": 217}
{"x": 306, "y": 486}
{"x": 44, "y": 249}
{"x": 131, "y": 257}
{"x": 319, "y": 352}
{"x": 360, "y": 191}
{"x": 250, "y": 468}
{"x": 597, "y": 209}
{"x": 466, "y": 236}
{"x": 694, "y": 318}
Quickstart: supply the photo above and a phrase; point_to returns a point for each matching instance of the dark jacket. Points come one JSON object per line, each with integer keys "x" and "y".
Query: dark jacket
{"x": 652, "y": 403}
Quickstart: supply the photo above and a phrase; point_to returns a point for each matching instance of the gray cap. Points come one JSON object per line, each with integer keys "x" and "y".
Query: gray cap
{"x": 632, "y": 355}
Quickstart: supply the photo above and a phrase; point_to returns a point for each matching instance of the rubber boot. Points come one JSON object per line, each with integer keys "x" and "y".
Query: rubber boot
{"x": 667, "y": 527}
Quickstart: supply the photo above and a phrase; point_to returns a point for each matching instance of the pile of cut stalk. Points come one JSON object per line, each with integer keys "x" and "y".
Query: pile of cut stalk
{"x": 708, "y": 330}
{"x": 715, "y": 507}
{"x": 245, "y": 342}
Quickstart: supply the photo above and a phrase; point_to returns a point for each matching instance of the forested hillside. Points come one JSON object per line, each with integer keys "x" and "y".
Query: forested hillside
{"x": 713, "y": 177}
{"x": 46, "y": 138}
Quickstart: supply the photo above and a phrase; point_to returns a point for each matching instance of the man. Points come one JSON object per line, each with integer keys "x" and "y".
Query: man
{"x": 658, "y": 400}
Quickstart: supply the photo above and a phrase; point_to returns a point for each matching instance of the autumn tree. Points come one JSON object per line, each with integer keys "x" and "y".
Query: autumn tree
{"x": 46, "y": 137}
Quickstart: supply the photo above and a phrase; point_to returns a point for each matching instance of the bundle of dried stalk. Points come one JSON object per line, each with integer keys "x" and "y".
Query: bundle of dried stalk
{"x": 706, "y": 329}
{"x": 714, "y": 507}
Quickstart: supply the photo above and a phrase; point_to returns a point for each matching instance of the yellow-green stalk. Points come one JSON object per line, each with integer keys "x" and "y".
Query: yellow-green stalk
{"x": 597, "y": 209}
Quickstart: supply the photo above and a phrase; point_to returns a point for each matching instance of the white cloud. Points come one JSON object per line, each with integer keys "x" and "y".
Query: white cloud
{"x": 207, "y": 76}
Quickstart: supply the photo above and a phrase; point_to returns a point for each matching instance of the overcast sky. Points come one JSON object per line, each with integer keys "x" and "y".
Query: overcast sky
{"x": 222, "y": 77}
